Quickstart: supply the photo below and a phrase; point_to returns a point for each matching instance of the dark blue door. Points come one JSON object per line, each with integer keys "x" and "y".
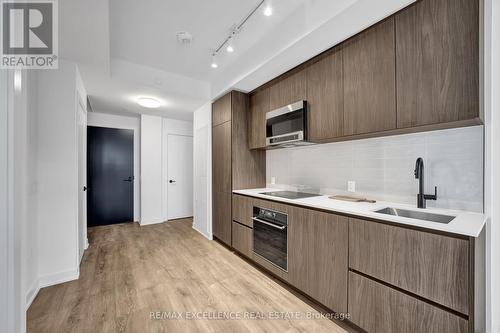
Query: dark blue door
{"x": 110, "y": 176}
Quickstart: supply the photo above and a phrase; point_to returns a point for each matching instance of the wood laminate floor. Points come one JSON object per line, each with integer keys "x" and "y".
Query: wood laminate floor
{"x": 129, "y": 271}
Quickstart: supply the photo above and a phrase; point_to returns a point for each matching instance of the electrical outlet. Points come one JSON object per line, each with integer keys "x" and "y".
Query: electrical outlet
{"x": 273, "y": 180}
{"x": 351, "y": 186}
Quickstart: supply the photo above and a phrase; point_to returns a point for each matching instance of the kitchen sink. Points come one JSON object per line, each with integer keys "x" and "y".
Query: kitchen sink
{"x": 416, "y": 215}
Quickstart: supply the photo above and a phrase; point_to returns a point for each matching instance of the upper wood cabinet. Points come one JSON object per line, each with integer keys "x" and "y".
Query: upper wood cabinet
{"x": 289, "y": 90}
{"x": 318, "y": 260}
{"x": 437, "y": 61}
{"x": 325, "y": 96}
{"x": 369, "y": 80}
{"x": 221, "y": 137}
{"x": 221, "y": 110}
{"x": 259, "y": 105}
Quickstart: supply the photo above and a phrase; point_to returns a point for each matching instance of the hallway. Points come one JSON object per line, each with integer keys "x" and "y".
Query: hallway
{"x": 130, "y": 271}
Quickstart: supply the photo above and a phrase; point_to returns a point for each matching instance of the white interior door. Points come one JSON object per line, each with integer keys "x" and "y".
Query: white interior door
{"x": 180, "y": 176}
{"x": 82, "y": 180}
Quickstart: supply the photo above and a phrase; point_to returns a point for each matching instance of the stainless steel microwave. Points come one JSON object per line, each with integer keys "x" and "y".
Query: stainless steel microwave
{"x": 287, "y": 126}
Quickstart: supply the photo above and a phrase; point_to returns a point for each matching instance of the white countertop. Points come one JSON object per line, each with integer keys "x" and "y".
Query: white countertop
{"x": 465, "y": 223}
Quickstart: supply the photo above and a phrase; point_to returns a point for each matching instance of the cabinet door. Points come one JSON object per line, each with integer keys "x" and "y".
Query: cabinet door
{"x": 221, "y": 159}
{"x": 437, "y": 61}
{"x": 377, "y": 308}
{"x": 243, "y": 210}
{"x": 432, "y": 266}
{"x": 221, "y": 223}
{"x": 325, "y": 95}
{"x": 318, "y": 256}
{"x": 242, "y": 239}
{"x": 288, "y": 90}
{"x": 221, "y": 110}
{"x": 259, "y": 105}
{"x": 369, "y": 81}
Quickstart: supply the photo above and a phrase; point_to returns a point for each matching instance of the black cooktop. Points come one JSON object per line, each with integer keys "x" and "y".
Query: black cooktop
{"x": 290, "y": 194}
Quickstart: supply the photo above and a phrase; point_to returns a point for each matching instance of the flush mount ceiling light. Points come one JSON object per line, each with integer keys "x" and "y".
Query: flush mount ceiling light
{"x": 148, "y": 102}
{"x": 236, "y": 28}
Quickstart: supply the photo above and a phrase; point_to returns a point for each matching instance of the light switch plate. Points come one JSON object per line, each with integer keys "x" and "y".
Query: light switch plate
{"x": 351, "y": 186}
{"x": 273, "y": 180}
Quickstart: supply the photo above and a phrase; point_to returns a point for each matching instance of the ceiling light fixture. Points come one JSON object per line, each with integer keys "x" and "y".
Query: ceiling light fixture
{"x": 235, "y": 29}
{"x": 214, "y": 63}
{"x": 268, "y": 11}
{"x": 149, "y": 102}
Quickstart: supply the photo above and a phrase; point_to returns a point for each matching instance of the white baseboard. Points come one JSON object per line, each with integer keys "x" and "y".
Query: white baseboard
{"x": 57, "y": 278}
{"x": 31, "y": 293}
{"x": 151, "y": 221}
{"x": 204, "y": 234}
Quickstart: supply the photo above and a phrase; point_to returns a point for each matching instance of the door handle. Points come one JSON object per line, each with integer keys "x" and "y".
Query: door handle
{"x": 172, "y": 181}
{"x": 129, "y": 179}
{"x": 84, "y": 188}
{"x": 280, "y": 227}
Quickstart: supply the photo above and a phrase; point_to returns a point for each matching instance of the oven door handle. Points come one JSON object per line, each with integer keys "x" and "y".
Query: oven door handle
{"x": 280, "y": 227}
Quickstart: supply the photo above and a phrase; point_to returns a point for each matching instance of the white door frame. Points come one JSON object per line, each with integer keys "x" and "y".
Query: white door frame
{"x": 81, "y": 121}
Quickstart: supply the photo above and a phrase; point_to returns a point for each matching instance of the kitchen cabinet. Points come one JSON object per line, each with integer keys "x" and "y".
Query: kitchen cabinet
{"x": 259, "y": 105}
{"x": 221, "y": 110}
{"x": 318, "y": 257}
{"x": 325, "y": 97}
{"x": 377, "y": 308}
{"x": 221, "y": 137}
{"x": 242, "y": 239}
{"x": 234, "y": 166}
{"x": 243, "y": 210}
{"x": 432, "y": 266}
{"x": 369, "y": 80}
{"x": 437, "y": 61}
{"x": 221, "y": 224}
{"x": 289, "y": 90}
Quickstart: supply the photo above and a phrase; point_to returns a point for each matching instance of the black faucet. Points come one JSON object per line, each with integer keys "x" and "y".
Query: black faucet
{"x": 419, "y": 174}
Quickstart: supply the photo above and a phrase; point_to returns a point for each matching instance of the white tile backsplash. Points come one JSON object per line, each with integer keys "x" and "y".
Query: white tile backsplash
{"x": 383, "y": 167}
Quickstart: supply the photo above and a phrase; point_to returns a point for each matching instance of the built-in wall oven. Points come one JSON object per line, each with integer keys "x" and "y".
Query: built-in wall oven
{"x": 270, "y": 236}
{"x": 287, "y": 126}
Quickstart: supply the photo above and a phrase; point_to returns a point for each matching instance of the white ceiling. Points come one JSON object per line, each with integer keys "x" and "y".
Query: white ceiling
{"x": 128, "y": 48}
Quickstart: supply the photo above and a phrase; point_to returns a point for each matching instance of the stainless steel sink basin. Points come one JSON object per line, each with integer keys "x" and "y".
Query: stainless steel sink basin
{"x": 417, "y": 215}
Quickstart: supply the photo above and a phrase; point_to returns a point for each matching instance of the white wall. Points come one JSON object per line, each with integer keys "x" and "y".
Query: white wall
{"x": 202, "y": 125}
{"x": 383, "y": 167}
{"x": 57, "y": 174}
{"x": 492, "y": 155}
{"x": 124, "y": 122}
{"x": 5, "y": 247}
{"x": 154, "y": 188}
{"x": 151, "y": 170}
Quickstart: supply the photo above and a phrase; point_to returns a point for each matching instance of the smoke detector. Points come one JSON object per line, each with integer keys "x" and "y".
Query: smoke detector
{"x": 184, "y": 37}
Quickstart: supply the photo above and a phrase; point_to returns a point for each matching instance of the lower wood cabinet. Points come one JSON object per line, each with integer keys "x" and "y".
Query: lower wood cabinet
{"x": 378, "y": 308}
{"x": 221, "y": 216}
{"x": 429, "y": 265}
{"x": 242, "y": 210}
{"x": 318, "y": 256}
{"x": 242, "y": 239}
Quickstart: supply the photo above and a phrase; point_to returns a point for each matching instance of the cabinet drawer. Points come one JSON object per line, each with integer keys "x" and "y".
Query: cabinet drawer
{"x": 242, "y": 210}
{"x": 242, "y": 239}
{"x": 378, "y": 308}
{"x": 432, "y": 266}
